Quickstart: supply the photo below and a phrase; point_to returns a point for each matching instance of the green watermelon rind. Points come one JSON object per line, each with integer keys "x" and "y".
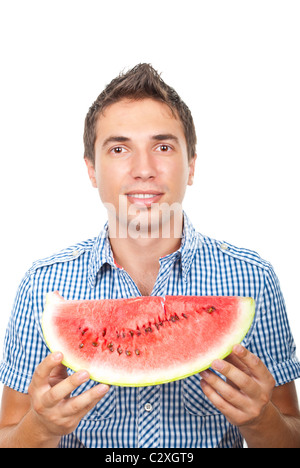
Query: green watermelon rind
{"x": 239, "y": 335}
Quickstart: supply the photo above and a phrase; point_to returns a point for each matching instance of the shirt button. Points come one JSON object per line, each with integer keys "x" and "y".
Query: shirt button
{"x": 148, "y": 407}
{"x": 75, "y": 253}
{"x": 224, "y": 247}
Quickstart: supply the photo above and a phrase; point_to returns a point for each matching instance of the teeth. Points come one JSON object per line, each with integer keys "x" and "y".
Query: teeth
{"x": 142, "y": 195}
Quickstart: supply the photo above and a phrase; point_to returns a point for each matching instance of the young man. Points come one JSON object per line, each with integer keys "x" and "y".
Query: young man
{"x": 140, "y": 155}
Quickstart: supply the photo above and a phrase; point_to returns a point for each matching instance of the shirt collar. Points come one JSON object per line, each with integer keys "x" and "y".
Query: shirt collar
{"x": 102, "y": 253}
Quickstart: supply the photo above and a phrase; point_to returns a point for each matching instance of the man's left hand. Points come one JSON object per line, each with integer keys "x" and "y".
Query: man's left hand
{"x": 248, "y": 388}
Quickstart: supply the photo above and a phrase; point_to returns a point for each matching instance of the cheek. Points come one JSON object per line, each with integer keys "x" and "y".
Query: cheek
{"x": 108, "y": 183}
{"x": 178, "y": 178}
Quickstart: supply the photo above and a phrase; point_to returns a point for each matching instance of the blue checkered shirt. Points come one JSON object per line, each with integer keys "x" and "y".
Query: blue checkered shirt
{"x": 175, "y": 414}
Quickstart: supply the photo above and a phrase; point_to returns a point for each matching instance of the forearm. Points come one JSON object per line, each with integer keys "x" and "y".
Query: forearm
{"x": 275, "y": 430}
{"x": 27, "y": 434}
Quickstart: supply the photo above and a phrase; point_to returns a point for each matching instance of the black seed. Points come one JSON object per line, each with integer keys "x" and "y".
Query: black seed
{"x": 131, "y": 333}
{"x": 81, "y": 345}
{"x": 184, "y": 315}
{"x": 104, "y": 332}
{"x": 174, "y": 318}
{"x": 211, "y": 309}
{"x": 95, "y": 344}
{"x": 120, "y": 350}
{"x": 110, "y": 347}
{"x": 137, "y": 352}
{"x": 148, "y": 330}
{"x": 128, "y": 353}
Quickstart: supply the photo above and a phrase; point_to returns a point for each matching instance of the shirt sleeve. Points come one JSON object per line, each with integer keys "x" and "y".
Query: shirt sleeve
{"x": 24, "y": 347}
{"x": 272, "y": 339}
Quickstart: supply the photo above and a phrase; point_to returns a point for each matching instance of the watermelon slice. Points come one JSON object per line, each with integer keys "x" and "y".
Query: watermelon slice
{"x": 145, "y": 340}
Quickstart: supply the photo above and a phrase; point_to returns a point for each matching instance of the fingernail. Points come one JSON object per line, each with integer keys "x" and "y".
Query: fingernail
{"x": 203, "y": 383}
{"x": 102, "y": 388}
{"x": 238, "y": 349}
{"x": 83, "y": 376}
{"x": 58, "y": 356}
{"x": 204, "y": 374}
{"x": 218, "y": 365}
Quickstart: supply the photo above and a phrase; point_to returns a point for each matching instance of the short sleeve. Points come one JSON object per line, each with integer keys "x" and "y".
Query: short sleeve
{"x": 24, "y": 347}
{"x": 272, "y": 339}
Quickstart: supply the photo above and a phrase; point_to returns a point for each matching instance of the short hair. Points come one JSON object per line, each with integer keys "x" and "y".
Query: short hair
{"x": 140, "y": 82}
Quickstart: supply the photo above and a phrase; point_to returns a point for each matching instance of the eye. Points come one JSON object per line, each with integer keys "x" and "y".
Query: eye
{"x": 164, "y": 148}
{"x": 117, "y": 150}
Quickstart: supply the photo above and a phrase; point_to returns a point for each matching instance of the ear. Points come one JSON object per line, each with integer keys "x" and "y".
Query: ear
{"x": 192, "y": 170}
{"x": 91, "y": 171}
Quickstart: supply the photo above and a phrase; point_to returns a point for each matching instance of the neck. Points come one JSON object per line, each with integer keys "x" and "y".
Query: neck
{"x": 144, "y": 251}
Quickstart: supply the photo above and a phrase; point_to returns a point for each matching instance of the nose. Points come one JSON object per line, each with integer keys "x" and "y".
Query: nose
{"x": 143, "y": 165}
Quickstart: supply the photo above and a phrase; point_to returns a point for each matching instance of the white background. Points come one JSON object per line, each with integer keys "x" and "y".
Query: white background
{"x": 235, "y": 63}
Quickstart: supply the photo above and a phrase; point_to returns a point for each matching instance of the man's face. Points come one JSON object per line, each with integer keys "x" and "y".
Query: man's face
{"x": 141, "y": 160}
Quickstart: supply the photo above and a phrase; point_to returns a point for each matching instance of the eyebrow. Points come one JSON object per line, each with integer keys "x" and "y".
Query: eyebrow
{"x": 115, "y": 139}
{"x": 166, "y": 136}
{"x": 123, "y": 139}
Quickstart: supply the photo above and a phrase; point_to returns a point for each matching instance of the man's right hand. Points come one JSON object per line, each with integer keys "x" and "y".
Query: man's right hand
{"x": 54, "y": 411}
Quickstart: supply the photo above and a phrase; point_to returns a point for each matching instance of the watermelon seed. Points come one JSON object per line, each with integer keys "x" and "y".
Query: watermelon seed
{"x": 211, "y": 309}
{"x": 137, "y": 352}
{"x": 131, "y": 333}
{"x": 81, "y": 345}
{"x": 148, "y": 330}
{"x": 184, "y": 315}
{"x": 128, "y": 353}
{"x": 159, "y": 324}
{"x": 120, "y": 351}
{"x": 104, "y": 332}
{"x": 95, "y": 344}
{"x": 174, "y": 318}
{"x": 110, "y": 347}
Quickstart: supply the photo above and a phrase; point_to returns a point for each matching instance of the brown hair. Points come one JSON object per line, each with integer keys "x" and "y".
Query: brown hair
{"x": 140, "y": 82}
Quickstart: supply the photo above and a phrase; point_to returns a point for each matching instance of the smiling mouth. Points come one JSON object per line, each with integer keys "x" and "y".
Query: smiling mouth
{"x": 142, "y": 195}
{"x": 144, "y": 198}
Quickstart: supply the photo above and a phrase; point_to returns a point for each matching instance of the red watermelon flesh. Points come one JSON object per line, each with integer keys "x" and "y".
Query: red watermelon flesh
{"x": 145, "y": 340}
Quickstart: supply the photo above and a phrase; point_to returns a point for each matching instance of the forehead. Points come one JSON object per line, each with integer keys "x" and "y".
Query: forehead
{"x": 138, "y": 117}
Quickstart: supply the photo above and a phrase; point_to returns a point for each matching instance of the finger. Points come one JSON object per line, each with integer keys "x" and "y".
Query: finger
{"x": 83, "y": 403}
{"x": 235, "y": 361}
{"x": 63, "y": 389}
{"x": 44, "y": 369}
{"x": 58, "y": 374}
{"x": 229, "y": 393}
{"x": 239, "y": 378}
{"x": 251, "y": 361}
{"x": 232, "y": 413}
